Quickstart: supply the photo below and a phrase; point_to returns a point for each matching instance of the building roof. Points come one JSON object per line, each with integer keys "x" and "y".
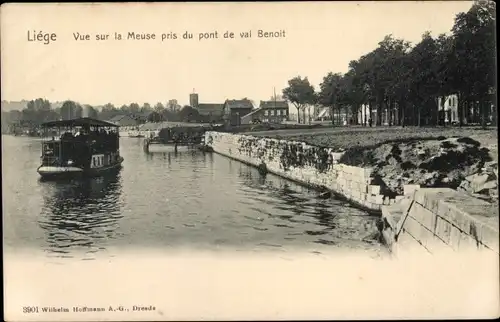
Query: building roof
{"x": 253, "y": 112}
{"x": 83, "y": 121}
{"x": 164, "y": 125}
{"x": 273, "y": 104}
{"x": 117, "y": 118}
{"x": 210, "y": 108}
{"x": 244, "y": 103}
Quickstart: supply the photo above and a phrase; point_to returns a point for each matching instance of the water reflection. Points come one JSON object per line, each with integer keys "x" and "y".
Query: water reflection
{"x": 81, "y": 214}
{"x": 182, "y": 154}
{"x": 298, "y": 205}
{"x": 165, "y": 200}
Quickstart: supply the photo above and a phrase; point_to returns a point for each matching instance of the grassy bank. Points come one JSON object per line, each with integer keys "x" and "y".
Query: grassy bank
{"x": 344, "y": 138}
{"x": 257, "y": 128}
{"x": 431, "y": 157}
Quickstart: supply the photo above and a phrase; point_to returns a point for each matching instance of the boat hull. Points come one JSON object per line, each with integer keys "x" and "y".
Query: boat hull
{"x": 52, "y": 172}
{"x": 65, "y": 172}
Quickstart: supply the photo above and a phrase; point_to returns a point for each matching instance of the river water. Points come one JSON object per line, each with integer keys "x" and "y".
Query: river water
{"x": 167, "y": 201}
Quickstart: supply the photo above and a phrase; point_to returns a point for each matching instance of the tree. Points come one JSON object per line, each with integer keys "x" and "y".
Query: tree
{"x": 154, "y": 117}
{"x": 189, "y": 114}
{"x": 300, "y": 92}
{"x": 89, "y": 111}
{"x": 330, "y": 91}
{"x": 70, "y": 110}
{"x": 108, "y": 112}
{"x": 146, "y": 108}
{"x": 169, "y": 116}
{"x": 475, "y": 54}
{"x": 159, "y": 107}
{"x": 173, "y": 106}
{"x": 134, "y": 108}
{"x": 404, "y": 84}
{"x": 424, "y": 81}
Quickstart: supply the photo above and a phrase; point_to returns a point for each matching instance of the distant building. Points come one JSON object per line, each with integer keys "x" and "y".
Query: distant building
{"x": 124, "y": 120}
{"x": 233, "y": 110}
{"x": 193, "y": 100}
{"x": 448, "y": 109}
{"x": 364, "y": 114}
{"x": 211, "y": 112}
{"x": 323, "y": 114}
{"x": 268, "y": 112}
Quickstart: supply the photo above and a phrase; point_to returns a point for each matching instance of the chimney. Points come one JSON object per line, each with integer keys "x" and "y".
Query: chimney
{"x": 85, "y": 111}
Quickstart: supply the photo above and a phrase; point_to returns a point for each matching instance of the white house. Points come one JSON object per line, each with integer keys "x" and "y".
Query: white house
{"x": 450, "y": 107}
{"x": 364, "y": 114}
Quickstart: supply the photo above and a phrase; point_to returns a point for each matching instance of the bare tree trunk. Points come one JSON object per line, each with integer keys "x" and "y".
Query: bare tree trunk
{"x": 418, "y": 114}
{"x": 379, "y": 114}
{"x": 493, "y": 112}
{"x": 460, "y": 109}
{"x": 391, "y": 113}
{"x": 363, "y": 114}
{"x": 436, "y": 112}
{"x": 298, "y": 114}
{"x": 347, "y": 119}
{"x": 403, "y": 115}
{"x": 483, "y": 112}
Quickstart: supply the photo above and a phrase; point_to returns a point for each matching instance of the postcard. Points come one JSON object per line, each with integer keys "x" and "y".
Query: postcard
{"x": 249, "y": 161}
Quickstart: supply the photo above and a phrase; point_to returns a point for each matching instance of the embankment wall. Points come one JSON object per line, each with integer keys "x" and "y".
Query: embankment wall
{"x": 310, "y": 165}
{"x": 437, "y": 219}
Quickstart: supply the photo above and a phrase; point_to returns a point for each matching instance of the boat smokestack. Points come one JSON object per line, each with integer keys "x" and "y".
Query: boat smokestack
{"x": 86, "y": 111}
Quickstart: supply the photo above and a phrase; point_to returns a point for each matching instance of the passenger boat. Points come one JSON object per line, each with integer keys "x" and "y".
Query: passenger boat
{"x": 85, "y": 147}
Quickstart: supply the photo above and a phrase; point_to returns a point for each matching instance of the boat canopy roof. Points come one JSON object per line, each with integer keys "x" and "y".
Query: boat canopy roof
{"x": 83, "y": 121}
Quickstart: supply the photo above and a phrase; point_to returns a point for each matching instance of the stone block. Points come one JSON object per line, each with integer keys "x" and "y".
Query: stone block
{"x": 408, "y": 242}
{"x": 374, "y": 189}
{"x": 467, "y": 242}
{"x": 411, "y": 226}
{"x": 423, "y": 215}
{"x": 484, "y": 234}
{"x": 399, "y": 198}
{"x": 368, "y": 204}
{"x": 379, "y": 199}
{"x": 362, "y": 187}
{"x": 410, "y": 188}
{"x": 443, "y": 230}
{"x": 420, "y": 197}
{"x": 356, "y": 194}
{"x": 425, "y": 236}
{"x": 367, "y": 172}
{"x": 359, "y": 174}
{"x": 364, "y": 196}
{"x": 455, "y": 238}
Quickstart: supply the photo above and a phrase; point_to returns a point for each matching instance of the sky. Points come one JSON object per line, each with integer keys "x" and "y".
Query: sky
{"x": 319, "y": 37}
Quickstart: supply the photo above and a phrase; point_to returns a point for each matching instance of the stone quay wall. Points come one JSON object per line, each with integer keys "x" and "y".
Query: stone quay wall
{"x": 437, "y": 219}
{"x": 313, "y": 166}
